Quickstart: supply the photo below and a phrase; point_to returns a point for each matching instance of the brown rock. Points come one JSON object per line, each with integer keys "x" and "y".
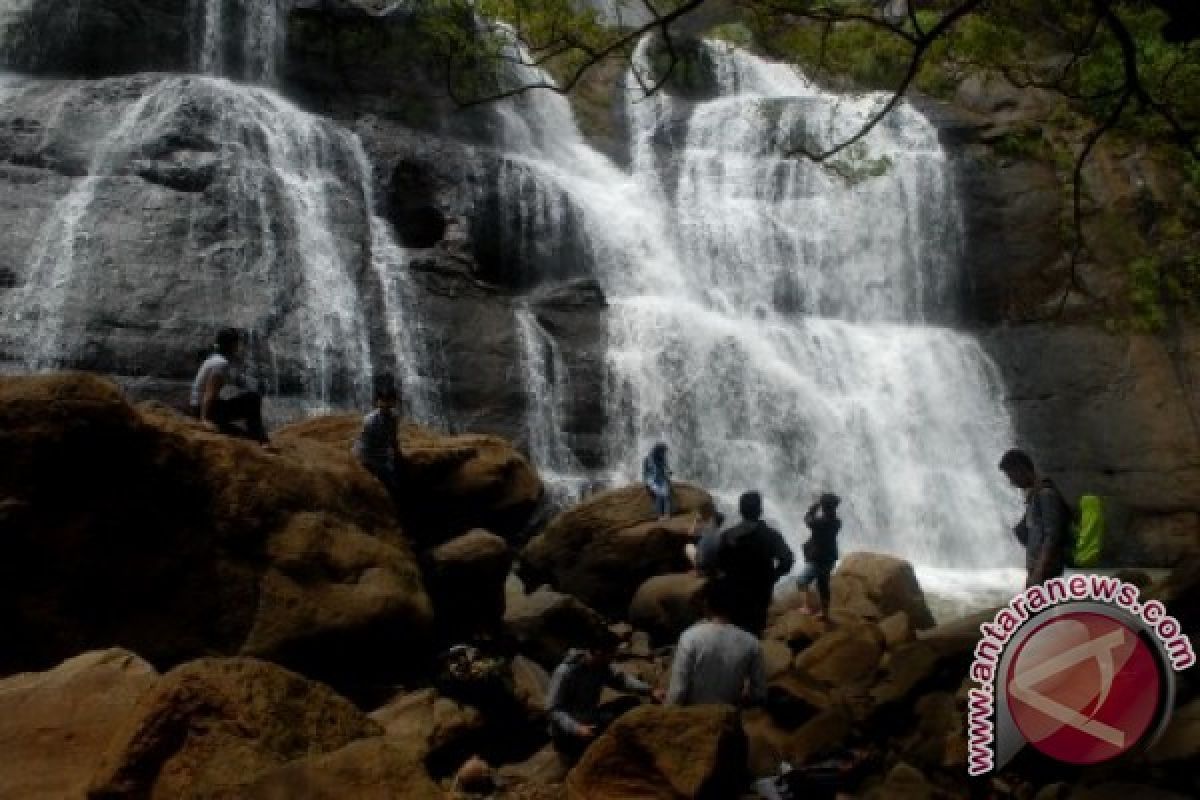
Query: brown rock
{"x": 603, "y": 549}
{"x": 56, "y": 726}
{"x": 547, "y": 624}
{"x": 825, "y": 733}
{"x": 427, "y": 721}
{"x": 874, "y": 586}
{"x": 895, "y": 629}
{"x": 378, "y": 768}
{"x": 845, "y": 657}
{"x": 531, "y": 682}
{"x": 664, "y": 752}
{"x": 666, "y": 605}
{"x": 777, "y": 658}
{"x": 452, "y": 484}
{"x": 797, "y": 628}
{"x": 1180, "y": 742}
{"x": 1126, "y": 791}
{"x": 475, "y": 776}
{"x": 216, "y": 724}
{"x": 543, "y": 768}
{"x": 1167, "y": 539}
{"x": 466, "y": 578}
{"x": 903, "y": 782}
{"x": 177, "y": 542}
{"x": 907, "y": 668}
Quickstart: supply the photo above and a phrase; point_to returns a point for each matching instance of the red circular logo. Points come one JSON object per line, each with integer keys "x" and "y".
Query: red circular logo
{"x": 1084, "y": 688}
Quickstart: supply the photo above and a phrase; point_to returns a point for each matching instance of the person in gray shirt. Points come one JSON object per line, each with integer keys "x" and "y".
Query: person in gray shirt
{"x": 1044, "y": 528}
{"x": 573, "y": 699}
{"x": 377, "y": 447}
{"x": 716, "y": 662}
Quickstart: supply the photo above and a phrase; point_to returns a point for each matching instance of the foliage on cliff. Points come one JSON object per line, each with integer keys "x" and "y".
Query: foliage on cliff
{"x": 1125, "y": 75}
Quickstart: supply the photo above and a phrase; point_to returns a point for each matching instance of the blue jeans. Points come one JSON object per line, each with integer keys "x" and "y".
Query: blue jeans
{"x": 820, "y": 573}
{"x": 662, "y": 499}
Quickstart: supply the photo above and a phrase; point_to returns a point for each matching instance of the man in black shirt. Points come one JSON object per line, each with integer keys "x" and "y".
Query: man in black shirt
{"x": 751, "y": 556}
{"x": 820, "y": 551}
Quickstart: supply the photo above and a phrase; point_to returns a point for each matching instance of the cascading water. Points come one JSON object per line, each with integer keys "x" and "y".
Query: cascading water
{"x": 546, "y": 382}
{"x": 287, "y": 219}
{"x": 768, "y": 315}
{"x": 251, "y": 36}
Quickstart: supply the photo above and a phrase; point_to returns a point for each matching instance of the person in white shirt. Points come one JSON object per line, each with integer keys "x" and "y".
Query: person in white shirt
{"x": 716, "y": 662}
{"x": 217, "y": 402}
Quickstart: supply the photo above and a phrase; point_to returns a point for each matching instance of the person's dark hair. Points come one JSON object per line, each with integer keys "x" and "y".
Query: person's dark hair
{"x": 385, "y": 388}
{"x": 227, "y": 340}
{"x": 750, "y": 505}
{"x": 659, "y": 450}
{"x": 830, "y": 502}
{"x": 1016, "y": 459}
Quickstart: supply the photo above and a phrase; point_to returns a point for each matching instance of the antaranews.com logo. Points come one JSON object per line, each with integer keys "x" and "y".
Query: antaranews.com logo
{"x": 1079, "y": 667}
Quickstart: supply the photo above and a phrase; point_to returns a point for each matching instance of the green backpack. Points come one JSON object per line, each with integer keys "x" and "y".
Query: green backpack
{"x": 1087, "y": 532}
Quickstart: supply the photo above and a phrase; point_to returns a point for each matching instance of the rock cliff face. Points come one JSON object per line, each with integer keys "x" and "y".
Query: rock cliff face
{"x": 108, "y": 137}
{"x": 1104, "y": 409}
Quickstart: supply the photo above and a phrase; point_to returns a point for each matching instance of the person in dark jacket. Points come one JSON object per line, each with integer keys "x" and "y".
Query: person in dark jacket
{"x": 573, "y": 698}
{"x": 1043, "y": 529}
{"x": 821, "y": 550}
{"x": 377, "y": 447}
{"x": 656, "y": 475}
{"x": 751, "y": 556}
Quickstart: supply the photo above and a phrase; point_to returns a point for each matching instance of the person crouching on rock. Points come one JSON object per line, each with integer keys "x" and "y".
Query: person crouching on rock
{"x": 573, "y": 700}
{"x": 377, "y": 447}
{"x": 217, "y": 402}
{"x": 657, "y": 477}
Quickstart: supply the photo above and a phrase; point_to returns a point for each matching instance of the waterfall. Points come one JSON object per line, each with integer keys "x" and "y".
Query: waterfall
{"x": 781, "y": 323}
{"x": 547, "y": 388}
{"x": 287, "y": 223}
{"x": 251, "y": 36}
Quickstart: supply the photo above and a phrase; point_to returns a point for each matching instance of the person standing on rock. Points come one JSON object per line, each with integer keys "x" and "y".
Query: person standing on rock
{"x": 1043, "y": 529}
{"x": 717, "y": 662}
{"x": 751, "y": 556}
{"x": 573, "y": 698}
{"x": 377, "y": 447}
{"x": 657, "y": 477}
{"x": 217, "y": 402}
{"x": 821, "y": 550}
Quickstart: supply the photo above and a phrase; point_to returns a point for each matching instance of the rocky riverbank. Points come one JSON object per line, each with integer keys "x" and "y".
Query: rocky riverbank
{"x": 188, "y": 616}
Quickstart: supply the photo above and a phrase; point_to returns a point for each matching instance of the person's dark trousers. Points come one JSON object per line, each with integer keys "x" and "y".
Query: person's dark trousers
{"x": 390, "y": 481}
{"x": 246, "y": 408}
{"x": 750, "y": 612}
{"x": 824, "y": 571}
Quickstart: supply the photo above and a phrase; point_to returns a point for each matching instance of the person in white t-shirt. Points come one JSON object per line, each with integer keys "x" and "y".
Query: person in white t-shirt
{"x": 220, "y": 404}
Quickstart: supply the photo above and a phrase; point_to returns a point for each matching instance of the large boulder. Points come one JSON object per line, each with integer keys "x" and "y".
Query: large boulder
{"x": 427, "y": 721}
{"x": 57, "y": 726}
{"x": 603, "y": 549}
{"x": 451, "y": 484}
{"x": 139, "y": 528}
{"x": 666, "y": 605}
{"x": 466, "y": 578}
{"x": 664, "y": 752}
{"x": 546, "y": 624}
{"x": 848, "y": 655}
{"x": 378, "y": 768}
{"x": 212, "y": 725}
{"x": 874, "y": 586}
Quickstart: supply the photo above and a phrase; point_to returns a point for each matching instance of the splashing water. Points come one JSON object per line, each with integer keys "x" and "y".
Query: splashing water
{"x": 770, "y": 317}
